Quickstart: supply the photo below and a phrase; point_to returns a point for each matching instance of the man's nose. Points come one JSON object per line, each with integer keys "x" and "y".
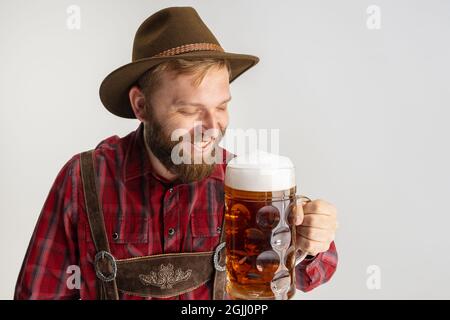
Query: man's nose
{"x": 209, "y": 121}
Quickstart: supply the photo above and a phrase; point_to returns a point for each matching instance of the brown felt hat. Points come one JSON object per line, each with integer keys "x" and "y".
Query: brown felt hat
{"x": 171, "y": 33}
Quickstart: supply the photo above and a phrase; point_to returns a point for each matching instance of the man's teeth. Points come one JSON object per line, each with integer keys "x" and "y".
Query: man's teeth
{"x": 202, "y": 144}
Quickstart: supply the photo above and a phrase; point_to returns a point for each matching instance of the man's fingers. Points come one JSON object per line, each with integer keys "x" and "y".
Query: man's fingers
{"x": 299, "y": 213}
{"x": 319, "y": 207}
{"x": 311, "y": 246}
{"x": 319, "y": 221}
{"x": 315, "y": 234}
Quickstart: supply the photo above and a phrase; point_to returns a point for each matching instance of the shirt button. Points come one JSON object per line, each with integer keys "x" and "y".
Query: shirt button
{"x": 171, "y": 190}
{"x": 115, "y": 236}
{"x": 171, "y": 231}
{"x": 219, "y": 229}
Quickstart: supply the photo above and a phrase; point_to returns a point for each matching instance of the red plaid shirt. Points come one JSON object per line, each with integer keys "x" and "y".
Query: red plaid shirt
{"x": 139, "y": 209}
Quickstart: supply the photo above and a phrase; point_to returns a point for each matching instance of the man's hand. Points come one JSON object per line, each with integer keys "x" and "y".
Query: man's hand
{"x": 316, "y": 226}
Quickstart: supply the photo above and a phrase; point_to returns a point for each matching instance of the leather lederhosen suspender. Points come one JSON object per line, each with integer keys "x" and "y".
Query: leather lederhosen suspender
{"x": 107, "y": 290}
{"x": 161, "y": 276}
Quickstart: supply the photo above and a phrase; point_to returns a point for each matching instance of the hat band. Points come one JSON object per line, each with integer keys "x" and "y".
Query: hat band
{"x": 189, "y": 48}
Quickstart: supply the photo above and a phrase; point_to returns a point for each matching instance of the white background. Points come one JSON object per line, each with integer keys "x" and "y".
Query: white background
{"x": 362, "y": 113}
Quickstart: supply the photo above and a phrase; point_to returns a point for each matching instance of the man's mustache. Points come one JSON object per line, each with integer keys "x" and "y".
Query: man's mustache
{"x": 198, "y": 135}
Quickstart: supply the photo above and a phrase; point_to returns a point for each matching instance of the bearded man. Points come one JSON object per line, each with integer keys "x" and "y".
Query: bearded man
{"x": 132, "y": 221}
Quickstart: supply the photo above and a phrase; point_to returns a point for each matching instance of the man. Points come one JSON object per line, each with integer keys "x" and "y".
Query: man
{"x": 148, "y": 205}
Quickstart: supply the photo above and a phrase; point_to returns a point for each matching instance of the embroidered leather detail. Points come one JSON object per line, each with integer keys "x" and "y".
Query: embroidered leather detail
{"x": 166, "y": 277}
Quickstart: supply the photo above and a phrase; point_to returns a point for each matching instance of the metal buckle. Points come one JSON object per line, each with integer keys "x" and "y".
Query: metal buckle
{"x": 216, "y": 257}
{"x": 102, "y": 255}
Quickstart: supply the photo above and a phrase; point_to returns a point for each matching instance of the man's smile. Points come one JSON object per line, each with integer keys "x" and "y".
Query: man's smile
{"x": 203, "y": 146}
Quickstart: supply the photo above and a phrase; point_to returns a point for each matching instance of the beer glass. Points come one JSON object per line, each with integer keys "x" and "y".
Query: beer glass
{"x": 260, "y": 209}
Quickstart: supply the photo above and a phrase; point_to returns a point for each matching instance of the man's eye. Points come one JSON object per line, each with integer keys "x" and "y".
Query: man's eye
{"x": 188, "y": 112}
{"x": 222, "y": 108}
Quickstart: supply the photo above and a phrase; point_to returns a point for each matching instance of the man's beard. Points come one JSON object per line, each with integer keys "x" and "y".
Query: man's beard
{"x": 161, "y": 146}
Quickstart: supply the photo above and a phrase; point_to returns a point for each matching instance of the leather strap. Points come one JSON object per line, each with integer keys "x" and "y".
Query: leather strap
{"x": 106, "y": 290}
{"x": 220, "y": 277}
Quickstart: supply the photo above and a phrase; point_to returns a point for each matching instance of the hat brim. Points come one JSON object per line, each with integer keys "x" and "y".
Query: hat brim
{"x": 114, "y": 88}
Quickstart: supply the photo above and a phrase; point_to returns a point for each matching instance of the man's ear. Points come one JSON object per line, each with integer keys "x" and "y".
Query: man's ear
{"x": 137, "y": 101}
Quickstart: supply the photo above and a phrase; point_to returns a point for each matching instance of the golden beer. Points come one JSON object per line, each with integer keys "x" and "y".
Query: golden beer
{"x": 260, "y": 208}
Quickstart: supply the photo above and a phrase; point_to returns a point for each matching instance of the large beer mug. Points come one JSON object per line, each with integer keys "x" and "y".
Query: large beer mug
{"x": 260, "y": 209}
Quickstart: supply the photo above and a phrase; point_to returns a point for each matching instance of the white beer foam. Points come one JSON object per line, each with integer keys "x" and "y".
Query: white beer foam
{"x": 260, "y": 171}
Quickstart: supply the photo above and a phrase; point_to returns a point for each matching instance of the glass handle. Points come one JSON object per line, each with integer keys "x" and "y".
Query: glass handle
{"x": 300, "y": 256}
